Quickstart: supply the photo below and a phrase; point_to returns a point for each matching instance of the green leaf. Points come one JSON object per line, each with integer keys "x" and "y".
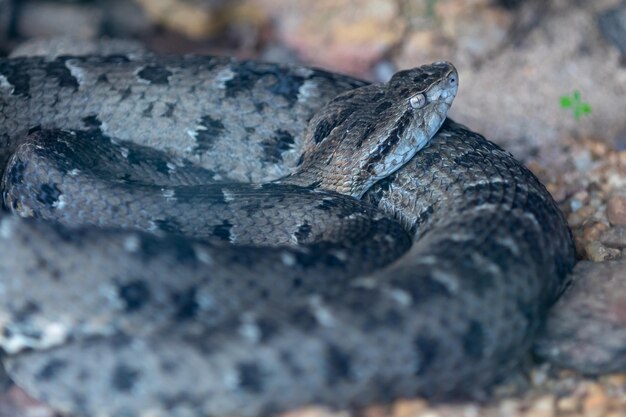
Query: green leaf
{"x": 585, "y": 108}
{"x": 566, "y": 102}
{"x": 576, "y": 95}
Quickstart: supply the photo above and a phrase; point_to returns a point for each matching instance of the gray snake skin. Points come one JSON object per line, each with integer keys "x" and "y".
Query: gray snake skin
{"x": 101, "y": 320}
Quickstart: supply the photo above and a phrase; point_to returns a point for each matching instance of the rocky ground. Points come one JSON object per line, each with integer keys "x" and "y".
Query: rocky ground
{"x": 545, "y": 79}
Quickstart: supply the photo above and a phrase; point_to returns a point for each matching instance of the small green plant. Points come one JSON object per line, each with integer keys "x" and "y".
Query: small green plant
{"x": 573, "y": 102}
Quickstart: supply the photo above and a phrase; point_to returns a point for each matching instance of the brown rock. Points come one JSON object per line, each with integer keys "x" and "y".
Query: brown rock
{"x": 544, "y": 406}
{"x": 616, "y": 209}
{"x": 201, "y": 19}
{"x": 408, "y": 408}
{"x": 593, "y": 230}
{"x": 595, "y": 402}
{"x": 345, "y": 35}
{"x": 597, "y": 252}
{"x": 578, "y": 217}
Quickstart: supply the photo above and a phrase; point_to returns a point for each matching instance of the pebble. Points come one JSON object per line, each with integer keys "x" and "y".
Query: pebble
{"x": 615, "y": 237}
{"x": 408, "y": 408}
{"x": 616, "y": 210}
{"x": 595, "y": 402}
{"x": 567, "y": 404}
{"x": 543, "y": 407}
{"x": 597, "y": 252}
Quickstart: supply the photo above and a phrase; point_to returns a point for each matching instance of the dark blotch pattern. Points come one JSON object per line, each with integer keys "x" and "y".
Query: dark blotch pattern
{"x": 338, "y": 365}
{"x": 473, "y": 340}
{"x": 369, "y": 130}
{"x": 303, "y": 319}
{"x": 92, "y": 122}
{"x": 382, "y": 107}
{"x": 426, "y": 349}
{"x": 51, "y": 369}
{"x": 267, "y": 329}
{"x": 326, "y": 126}
{"x": 222, "y": 231}
{"x": 125, "y": 93}
{"x": 134, "y": 157}
{"x": 23, "y": 313}
{"x": 147, "y": 112}
{"x": 58, "y": 69}
{"x": 393, "y": 138}
{"x": 247, "y": 73}
{"x": 155, "y": 74}
{"x": 169, "y": 110}
{"x": 327, "y": 205}
{"x": 135, "y": 295}
{"x": 16, "y": 173}
{"x": 303, "y": 232}
{"x": 169, "y": 225}
{"x": 250, "y": 377}
{"x": 17, "y": 75}
{"x": 124, "y": 377}
{"x": 322, "y": 130}
{"x": 208, "y": 132}
{"x": 48, "y": 194}
{"x": 185, "y": 303}
{"x": 274, "y": 147}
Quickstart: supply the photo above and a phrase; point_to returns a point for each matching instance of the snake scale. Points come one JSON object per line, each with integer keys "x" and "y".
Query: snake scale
{"x": 432, "y": 281}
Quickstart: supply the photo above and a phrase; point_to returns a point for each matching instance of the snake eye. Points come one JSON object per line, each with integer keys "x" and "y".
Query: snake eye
{"x": 418, "y": 101}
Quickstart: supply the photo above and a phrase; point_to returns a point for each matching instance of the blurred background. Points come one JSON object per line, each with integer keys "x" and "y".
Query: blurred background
{"x": 516, "y": 58}
{"x": 544, "y": 79}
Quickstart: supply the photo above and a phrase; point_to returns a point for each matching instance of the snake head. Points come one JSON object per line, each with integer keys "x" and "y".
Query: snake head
{"x": 368, "y": 133}
{"x": 420, "y": 99}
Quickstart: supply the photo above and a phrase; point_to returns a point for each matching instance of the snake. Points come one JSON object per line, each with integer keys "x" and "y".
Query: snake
{"x": 205, "y": 236}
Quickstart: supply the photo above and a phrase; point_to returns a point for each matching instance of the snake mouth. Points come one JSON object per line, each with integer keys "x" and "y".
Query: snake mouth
{"x": 446, "y": 89}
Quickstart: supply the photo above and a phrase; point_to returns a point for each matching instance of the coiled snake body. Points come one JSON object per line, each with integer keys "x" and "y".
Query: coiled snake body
{"x": 105, "y": 319}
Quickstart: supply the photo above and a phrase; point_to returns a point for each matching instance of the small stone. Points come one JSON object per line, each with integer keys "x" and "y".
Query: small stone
{"x": 509, "y": 407}
{"x": 595, "y": 402}
{"x": 314, "y": 411}
{"x": 374, "y": 410}
{"x": 543, "y": 407}
{"x": 593, "y": 230}
{"x": 582, "y": 160}
{"x": 615, "y": 380}
{"x": 597, "y": 252}
{"x": 615, "y": 237}
{"x": 408, "y": 408}
{"x": 616, "y": 210}
{"x": 577, "y": 218}
{"x": 569, "y": 404}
